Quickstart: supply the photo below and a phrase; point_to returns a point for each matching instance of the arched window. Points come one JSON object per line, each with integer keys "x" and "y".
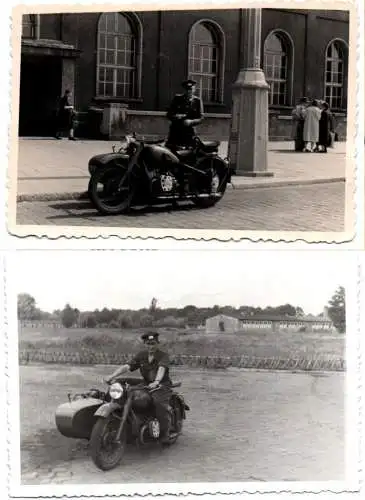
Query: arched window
{"x": 206, "y": 60}
{"x": 277, "y": 68}
{"x": 29, "y": 25}
{"x": 118, "y": 56}
{"x": 335, "y": 74}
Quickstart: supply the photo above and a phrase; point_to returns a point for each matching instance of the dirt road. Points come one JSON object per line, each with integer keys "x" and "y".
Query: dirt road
{"x": 243, "y": 426}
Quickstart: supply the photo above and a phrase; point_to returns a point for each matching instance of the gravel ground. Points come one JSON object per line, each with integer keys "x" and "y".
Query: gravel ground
{"x": 243, "y": 426}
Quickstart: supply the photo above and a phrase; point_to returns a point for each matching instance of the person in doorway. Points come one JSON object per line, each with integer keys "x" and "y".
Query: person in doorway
{"x": 185, "y": 112}
{"x": 153, "y": 365}
{"x": 65, "y": 117}
{"x": 326, "y": 129}
{"x": 312, "y": 116}
{"x": 298, "y": 118}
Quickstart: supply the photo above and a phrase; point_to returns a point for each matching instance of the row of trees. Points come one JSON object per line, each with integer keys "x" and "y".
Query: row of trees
{"x": 172, "y": 317}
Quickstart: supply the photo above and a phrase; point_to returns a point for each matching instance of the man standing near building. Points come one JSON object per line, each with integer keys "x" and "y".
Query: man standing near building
{"x": 185, "y": 112}
{"x": 65, "y": 117}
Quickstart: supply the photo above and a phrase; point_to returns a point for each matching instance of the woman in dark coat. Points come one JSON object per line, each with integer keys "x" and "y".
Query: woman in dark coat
{"x": 298, "y": 118}
{"x": 326, "y": 126}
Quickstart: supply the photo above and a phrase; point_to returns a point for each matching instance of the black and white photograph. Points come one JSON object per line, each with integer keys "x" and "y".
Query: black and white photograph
{"x": 193, "y": 380}
{"x": 208, "y": 122}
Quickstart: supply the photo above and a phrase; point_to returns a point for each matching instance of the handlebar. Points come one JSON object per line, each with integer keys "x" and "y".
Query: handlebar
{"x": 142, "y": 386}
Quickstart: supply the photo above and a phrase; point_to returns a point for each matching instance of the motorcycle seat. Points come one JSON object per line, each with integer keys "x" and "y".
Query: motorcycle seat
{"x": 210, "y": 146}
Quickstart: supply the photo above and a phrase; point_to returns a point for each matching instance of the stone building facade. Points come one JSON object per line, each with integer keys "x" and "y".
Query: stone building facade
{"x": 128, "y": 65}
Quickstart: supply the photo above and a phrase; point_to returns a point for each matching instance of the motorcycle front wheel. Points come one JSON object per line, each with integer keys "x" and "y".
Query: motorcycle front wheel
{"x": 218, "y": 187}
{"x": 111, "y": 191}
{"x": 105, "y": 452}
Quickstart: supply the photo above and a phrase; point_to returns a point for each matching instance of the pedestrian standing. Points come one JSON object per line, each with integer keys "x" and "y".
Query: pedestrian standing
{"x": 312, "y": 116}
{"x": 326, "y": 128}
{"x": 298, "y": 114}
{"x": 65, "y": 117}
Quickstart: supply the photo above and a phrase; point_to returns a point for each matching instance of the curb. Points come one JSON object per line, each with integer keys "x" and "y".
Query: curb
{"x": 285, "y": 183}
{"x": 83, "y": 195}
{"x": 73, "y": 195}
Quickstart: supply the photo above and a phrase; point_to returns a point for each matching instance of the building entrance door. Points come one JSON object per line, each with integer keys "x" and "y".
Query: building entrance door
{"x": 40, "y": 88}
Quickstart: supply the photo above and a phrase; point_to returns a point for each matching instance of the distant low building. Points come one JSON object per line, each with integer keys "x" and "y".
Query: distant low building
{"x": 222, "y": 324}
{"x": 305, "y": 323}
{"x": 289, "y": 323}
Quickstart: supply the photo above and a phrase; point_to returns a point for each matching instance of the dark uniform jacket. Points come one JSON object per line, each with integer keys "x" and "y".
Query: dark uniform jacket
{"x": 180, "y": 134}
{"x": 326, "y": 125}
{"x": 149, "y": 370}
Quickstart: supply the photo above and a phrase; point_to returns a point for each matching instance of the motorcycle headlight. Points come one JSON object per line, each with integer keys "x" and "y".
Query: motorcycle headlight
{"x": 116, "y": 391}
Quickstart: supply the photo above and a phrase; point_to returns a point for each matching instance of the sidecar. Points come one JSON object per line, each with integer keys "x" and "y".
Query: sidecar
{"x": 106, "y": 159}
{"x": 76, "y": 419}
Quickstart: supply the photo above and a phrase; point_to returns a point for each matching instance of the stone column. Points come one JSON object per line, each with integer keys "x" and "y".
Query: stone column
{"x": 68, "y": 76}
{"x": 250, "y": 114}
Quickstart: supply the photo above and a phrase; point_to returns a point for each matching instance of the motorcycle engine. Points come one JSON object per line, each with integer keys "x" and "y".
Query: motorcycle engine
{"x": 167, "y": 182}
{"x": 149, "y": 431}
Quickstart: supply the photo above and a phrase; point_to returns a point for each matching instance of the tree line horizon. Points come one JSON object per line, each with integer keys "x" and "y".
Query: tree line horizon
{"x": 154, "y": 316}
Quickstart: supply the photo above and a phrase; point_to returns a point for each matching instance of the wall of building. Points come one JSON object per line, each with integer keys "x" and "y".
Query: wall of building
{"x": 288, "y": 326}
{"x": 50, "y": 27}
{"x": 165, "y": 35}
{"x": 165, "y": 60}
{"x": 154, "y": 125}
{"x": 311, "y": 32}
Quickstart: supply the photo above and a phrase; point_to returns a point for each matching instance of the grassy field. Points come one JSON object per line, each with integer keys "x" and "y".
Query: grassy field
{"x": 185, "y": 342}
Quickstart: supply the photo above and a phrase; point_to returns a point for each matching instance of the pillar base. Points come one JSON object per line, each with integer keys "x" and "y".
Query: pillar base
{"x": 243, "y": 173}
{"x": 113, "y": 124}
{"x": 248, "y": 141}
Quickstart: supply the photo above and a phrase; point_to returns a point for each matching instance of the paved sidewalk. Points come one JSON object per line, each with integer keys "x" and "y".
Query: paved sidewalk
{"x": 53, "y": 170}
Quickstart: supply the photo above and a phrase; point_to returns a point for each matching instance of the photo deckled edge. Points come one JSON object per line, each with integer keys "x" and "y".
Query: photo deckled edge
{"x": 347, "y": 236}
{"x": 355, "y": 299}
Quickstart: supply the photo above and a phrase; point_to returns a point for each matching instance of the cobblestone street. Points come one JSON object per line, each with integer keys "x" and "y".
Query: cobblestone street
{"x": 318, "y": 207}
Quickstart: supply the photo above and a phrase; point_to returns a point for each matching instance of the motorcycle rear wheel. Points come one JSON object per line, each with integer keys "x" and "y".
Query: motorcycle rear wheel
{"x": 210, "y": 201}
{"x": 101, "y": 436}
{"x": 111, "y": 200}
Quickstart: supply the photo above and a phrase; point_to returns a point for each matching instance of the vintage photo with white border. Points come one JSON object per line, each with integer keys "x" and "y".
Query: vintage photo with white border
{"x": 267, "y": 354}
{"x": 210, "y": 121}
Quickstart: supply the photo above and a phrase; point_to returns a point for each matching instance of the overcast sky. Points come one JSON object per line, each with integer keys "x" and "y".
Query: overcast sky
{"x": 94, "y": 279}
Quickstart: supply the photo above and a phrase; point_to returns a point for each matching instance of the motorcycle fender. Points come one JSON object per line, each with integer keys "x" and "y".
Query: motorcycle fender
{"x": 106, "y": 409}
{"x": 184, "y": 407}
{"x": 76, "y": 418}
{"x": 105, "y": 160}
{"x": 224, "y": 169}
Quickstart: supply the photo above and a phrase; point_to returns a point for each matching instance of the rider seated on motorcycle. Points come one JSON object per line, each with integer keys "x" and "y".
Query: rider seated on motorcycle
{"x": 154, "y": 368}
{"x": 186, "y": 110}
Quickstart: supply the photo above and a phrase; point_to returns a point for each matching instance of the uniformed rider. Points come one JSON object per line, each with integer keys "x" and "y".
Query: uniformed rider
{"x": 153, "y": 365}
{"x": 185, "y": 112}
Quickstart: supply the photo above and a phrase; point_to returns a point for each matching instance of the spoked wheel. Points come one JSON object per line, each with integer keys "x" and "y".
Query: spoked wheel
{"x": 105, "y": 452}
{"x": 111, "y": 190}
{"x": 215, "y": 190}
